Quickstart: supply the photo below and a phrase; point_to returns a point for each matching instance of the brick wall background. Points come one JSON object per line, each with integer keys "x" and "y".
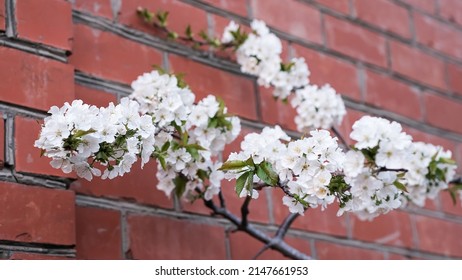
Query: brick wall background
{"x": 401, "y": 59}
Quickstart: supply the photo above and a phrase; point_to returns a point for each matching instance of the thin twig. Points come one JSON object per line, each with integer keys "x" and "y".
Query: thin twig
{"x": 456, "y": 181}
{"x": 340, "y": 137}
{"x": 222, "y": 200}
{"x": 384, "y": 169}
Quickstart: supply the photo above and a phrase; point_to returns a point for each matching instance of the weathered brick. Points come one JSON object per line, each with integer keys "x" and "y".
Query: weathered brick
{"x": 439, "y": 236}
{"x": 34, "y": 82}
{"x": 109, "y": 56}
{"x": 454, "y": 80}
{"x": 424, "y": 5}
{"x": 165, "y": 238}
{"x": 451, "y": 10}
{"x": 384, "y": 92}
{"x": 314, "y": 219}
{"x": 34, "y": 19}
{"x": 36, "y": 215}
{"x": 245, "y": 247}
{"x": 237, "y": 92}
{"x": 324, "y": 69}
{"x": 27, "y": 157}
{"x": 355, "y": 41}
{"x": 137, "y": 186}
{"x": 447, "y": 204}
{"x": 393, "y": 228}
{"x": 180, "y": 15}
{"x": 98, "y": 234}
{"x": 438, "y": 36}
{"x": 418, "y": 135}
{"x": 417, "y": 65}
{"x": 236, "y": 6}
{"x": 342, "y": 6}
{"x": 93, "y": 96}
{"x": 293, "y": 17}
{"x": 2, "y": 15}
{"x": 275, "y": 112}
{"x": 100, "y": 8}
{"x": 330, "y": 251}
{"x": 384, "y": 14}
{"x": 443, "y": 112}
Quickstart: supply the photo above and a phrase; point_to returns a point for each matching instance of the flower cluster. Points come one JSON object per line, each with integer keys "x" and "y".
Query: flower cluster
{"x": 76, "y": 136}
{"x": 317, "y": 107}
{"x": 160, "y": 120}
{"x": 303, "y": 167}
{"x": 259, "y": 52}
{"x": 429, "y": 170}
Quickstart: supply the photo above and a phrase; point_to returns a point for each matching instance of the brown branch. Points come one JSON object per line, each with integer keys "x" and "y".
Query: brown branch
{"x": 245, "y": 211}
{"x": 384, "y": 169}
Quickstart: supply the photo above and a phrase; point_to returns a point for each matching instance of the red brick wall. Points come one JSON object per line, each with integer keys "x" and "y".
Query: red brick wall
{"x": 400, "y": 59}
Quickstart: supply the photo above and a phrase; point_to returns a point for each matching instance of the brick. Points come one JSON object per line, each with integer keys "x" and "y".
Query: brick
{"x": 36, "y": 215}
{"x": 346, "y": 126}
{"x": 27, "y": 157}
{"x": 94, "y": 97}
{"x": 330, "y": 251}
{"x": 98, "y": 234}
{"x": 2, "y": 15}
{"x": 95, "y": 54}
{"x": 2, "y": 141}
{"x": 393, "y": 229}
{"x": 100, "y": 8}
{"x": 438, "y": 36}
{"x": 418, "y": 135}
{"x": 451, "y": 10}
{"x": 164, "y": 238}
{"x": 314, "y": 220}
{"x": 237, "y": 92}
{"x": 137, "y": 186}
{"x": 180, "y": 15}
{"x": 386, "y": 93}
{"x": 384, "y": 14}
{"x": 34, "y": 82}
{"x": 436, "y": 105}
{"x": 458, "y": 157}
{"x": 34, "y": 19}
{"x": 439, "y": 236}
{"x": 454, "y": 74}
{"x": 355, "y": 41}
{"x": 293, "y": 17}
{"x": 245, "y": 247}
{"x": 275, "y": 111}
{"x": 236, "y": 6}
{"x": 417, "y": 65}
{"x": 340, "y": 74}
{"x": 32, "y": 256}
{"x": 424, "y": 5}
{"x": 342, "y": 6}
{"x": 448, "y": 205}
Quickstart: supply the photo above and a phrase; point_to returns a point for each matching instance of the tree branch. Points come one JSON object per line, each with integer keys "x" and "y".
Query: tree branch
{"x": 340, "y": 137}
{"x": 245, "y": 211}
{"x": 456, "y": 181}
{"x": 384, "y": 169}
{"x": 281, "y": 246}
{"x": 280, "y": 233}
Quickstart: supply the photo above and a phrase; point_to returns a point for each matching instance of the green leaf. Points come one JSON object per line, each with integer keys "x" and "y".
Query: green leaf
{"x": 233, "y": 165}
{"x": 172, "y": 35}
{"x": 188, "y": 32}
{"x": 453, "y": 195}
{"x": 447, "y": 161}
{"x": 80, "y": 133}
{"x": 243, "y": 181}
{"x": 196, "y": 146}
{"x": 180, "y": 185}
{"x": 202, "y": 174}
{"x": 400, "y": 186}
{"x": 165, "y": 146}
{"x": 162, "y": 162}
{"x": 193, "y": 152}
{"x": 266, "y": 173}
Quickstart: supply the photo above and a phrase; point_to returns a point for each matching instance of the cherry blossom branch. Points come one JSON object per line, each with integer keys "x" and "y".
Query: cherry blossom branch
{"x": 280, "y": 246}
{"x": 384, "y": 169}
{"x": 245, "y": 211}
